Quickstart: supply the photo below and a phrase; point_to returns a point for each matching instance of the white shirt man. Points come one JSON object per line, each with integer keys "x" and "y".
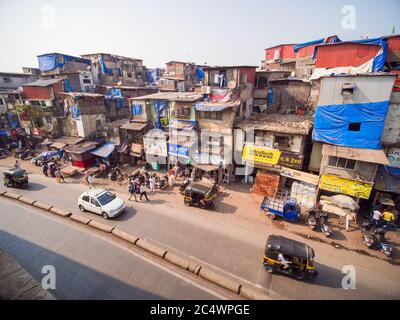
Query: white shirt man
{"x": 281, "y": 259}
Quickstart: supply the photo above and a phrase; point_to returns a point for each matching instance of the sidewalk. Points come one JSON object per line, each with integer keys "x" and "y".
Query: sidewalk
{"x": 17, "y": 284}
{"x": 237, "y": 206}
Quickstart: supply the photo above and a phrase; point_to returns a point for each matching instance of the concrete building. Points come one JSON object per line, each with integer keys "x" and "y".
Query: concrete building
{"x": 13, "y": 80}
{"x": 56, "y": 63}
{"x": 178, "y": 76}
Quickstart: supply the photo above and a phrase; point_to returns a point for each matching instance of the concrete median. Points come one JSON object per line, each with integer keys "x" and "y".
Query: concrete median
{"x": 60, "y": 212}
{"x": 154, "y": 249}
{"x": 176, "y": 260}
{"x": 101, "y": 226}
{"x": 26, "y": 200}
{"x": 42, "y": 205}
{"x": 79, "y": 219}
{"x": 11, "y": 195}
{"x": 2, "y": 192}
{"x": 194, "y": 267}
{"x": 220, "y": 280}
{"x": 251, "y": 294}
{"x": 124, "y": 235}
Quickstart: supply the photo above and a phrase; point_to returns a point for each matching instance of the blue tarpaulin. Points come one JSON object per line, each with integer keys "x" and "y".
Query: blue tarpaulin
{"x": 67, "y": 85}
{"x": 105, "y": 150}
{"x": 204, "y": 106}
{"x": 116, "y": 94}
{"x": 152, "y": 75}
{"x": 75, "y": 111}
{"x": 178, "y": 150}
{"x": 379, "y": 61}
{"x": 331, "y": 124}
{"x": 159, "y": 106}
{"x": 51, "y": 61}
{"x": 136, "y": 109}
{"x": 199, "y": 74}
{"x": 296, "y": 47}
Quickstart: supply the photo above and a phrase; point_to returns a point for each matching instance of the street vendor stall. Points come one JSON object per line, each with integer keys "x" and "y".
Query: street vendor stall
{"x": 81, "y": 155}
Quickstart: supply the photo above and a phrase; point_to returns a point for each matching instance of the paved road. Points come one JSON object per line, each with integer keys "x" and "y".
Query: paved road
{"x": 235, "y": 250}
{"x": 89, "y": 267}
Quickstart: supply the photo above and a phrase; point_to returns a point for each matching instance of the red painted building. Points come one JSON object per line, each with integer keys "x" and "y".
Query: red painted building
{"x": 344, "y": 54}
{"x": 279, "y": 53}
{"x": 43, "y": 89}
{"x": 393, "y": 48}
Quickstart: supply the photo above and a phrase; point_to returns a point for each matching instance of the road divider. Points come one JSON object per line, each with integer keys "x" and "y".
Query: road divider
{"x": 154, "y": 249}
{"x": 42, "y": 205}
{"x": 101, "y": 226}
{"x": 220, "y": 280}
{"x": 11, "y": 195}
{"x": 124, "y": 236}
{"x": 190, "y": 266}
{"x": 60, "y": 212}
{"x": 79, "y": 218}
{"x": 26, "y": 200}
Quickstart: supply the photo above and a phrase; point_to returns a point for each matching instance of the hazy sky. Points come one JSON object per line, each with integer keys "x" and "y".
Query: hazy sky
{"x": 157, "y": 31}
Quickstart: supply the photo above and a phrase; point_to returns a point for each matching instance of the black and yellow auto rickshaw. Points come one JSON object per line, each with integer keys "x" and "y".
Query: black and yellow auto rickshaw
{"x": 290, "y": 257}
{"x": 198, "y": 194}
{"x": 15, "y": 177}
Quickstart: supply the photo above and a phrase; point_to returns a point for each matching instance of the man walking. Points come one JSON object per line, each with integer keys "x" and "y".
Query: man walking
{"x": 90, "y": 181}
{"x": 59, "y": 175}
{"x": 152, "y": 181}
{"x": 376, "y": 217}
{"x": 132, "y": 189}
{"x": 86, "y": 175}
{"x": 143, "y": 192}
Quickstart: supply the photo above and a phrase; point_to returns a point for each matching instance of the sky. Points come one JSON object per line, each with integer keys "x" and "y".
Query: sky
{"x": 216, "y": 32}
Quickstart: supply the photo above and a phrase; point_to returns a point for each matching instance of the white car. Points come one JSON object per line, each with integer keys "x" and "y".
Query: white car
{"x": 102, "y": 202}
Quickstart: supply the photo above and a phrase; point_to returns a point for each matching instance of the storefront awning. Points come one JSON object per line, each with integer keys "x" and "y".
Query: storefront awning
{"x": 135, "y": 126}
{"x": 58, "y": 145}
{"x": 387, "y": 180}
{"x": 206, "y": 167}
{"x": 366, "y": 155}
{"x": 105, "y": 150}
{"x": 216, "y": 106}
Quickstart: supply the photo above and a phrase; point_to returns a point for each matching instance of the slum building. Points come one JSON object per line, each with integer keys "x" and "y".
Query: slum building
{"x": 111, "y": 69}
{"x": 179, "y": 76}
{"x": 56, "y": 63}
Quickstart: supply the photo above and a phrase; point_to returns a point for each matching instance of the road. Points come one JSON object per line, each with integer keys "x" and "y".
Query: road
{"x": 88, "y": 266}
{"x": 233, "y": 249}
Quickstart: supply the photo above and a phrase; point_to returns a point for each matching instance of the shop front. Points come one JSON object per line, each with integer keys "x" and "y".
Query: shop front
{"x": 155, "y": 148}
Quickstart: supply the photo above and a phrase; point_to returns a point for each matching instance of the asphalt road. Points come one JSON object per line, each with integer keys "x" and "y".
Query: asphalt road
{"x": 87, "y": 266}
{"x": 234, "y": 250}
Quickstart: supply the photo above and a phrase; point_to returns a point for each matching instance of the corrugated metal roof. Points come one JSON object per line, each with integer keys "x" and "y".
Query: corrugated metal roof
{"x": 42, "y": 83}
{"x": 367, "y": 155}
{"x": 226, "y": 67}
{"x": 136, "y": 126}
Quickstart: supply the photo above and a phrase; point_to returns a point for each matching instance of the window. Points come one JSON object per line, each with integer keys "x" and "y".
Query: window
{"x": 94, "y": 202}
{"x": 243, "y": 78}
{"x": 282, "y": 142}
{"x": 98, "y": 124}
{"x": 1, "y": 102}
{"x": 87, "y": 81}
{"x": 354, "y": 126}
{"x": 6, "y": 79}
{"x": 212, "y": 115}
{"x": 85, "y": 198}
{"x": 342, "y": 163}
{"x": 129, "y": 74}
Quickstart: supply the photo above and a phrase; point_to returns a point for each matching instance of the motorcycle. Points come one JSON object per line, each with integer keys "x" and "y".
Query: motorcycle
{"x": 319, "y": 220}
{"x": 162, "y": 183}
{"x": 116, "y": 175}
{"x": 185, "y": 183}
{"x": 377, "y": 240}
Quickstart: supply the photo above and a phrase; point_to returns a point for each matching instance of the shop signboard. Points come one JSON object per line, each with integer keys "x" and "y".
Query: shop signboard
{"x": 261, "y": 155}
{"x": 156, "y": 147}
{"x": 300, "y": 175}
{"x": 349, "y": 187}
{"x": 178, "y": 150}
{"x": 394, "y": 157}
{"x": 290, "y": 159}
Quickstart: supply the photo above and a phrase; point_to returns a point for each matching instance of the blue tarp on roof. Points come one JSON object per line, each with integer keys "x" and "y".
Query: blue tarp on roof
{"x": 199, "y": 74}
{"x": 116, "y": 94}
{"x": 331, "y": 124}
{"x": 159, "y": 106}
{"x": 379, "y": 61}
{"x": 105, "y": 150}
{"x": 296, "y": 47}
{"x": 52, "y": 61}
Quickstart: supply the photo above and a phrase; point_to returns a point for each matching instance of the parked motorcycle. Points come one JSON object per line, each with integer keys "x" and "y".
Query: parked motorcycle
{"x": 377, "y": 240}
{"x": 319, "y": 220}
{"x": 161, "y": 183}
{"x": 116, "y": 175}
{"x": 185, "y": 183}
{"x": 26, "y": 154}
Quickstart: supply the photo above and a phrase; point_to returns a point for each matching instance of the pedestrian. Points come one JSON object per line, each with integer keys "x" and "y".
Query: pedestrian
{"x": 17, "y": 165}
{"x": 103, "y": 169}
{"x": 90, "y": 181}
{"x": 376, "y": 217}
{"x": 388, "y": 218}
{"x": 132, "y": 189}
{"x": 86, "y": 175}
{"x": 59, "y": 176}
{"x": 143, "y": 192}
{"x": 152, "y": 181}
{"x": 349, "y": 218}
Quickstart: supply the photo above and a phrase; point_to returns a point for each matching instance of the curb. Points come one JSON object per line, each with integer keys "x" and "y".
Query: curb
{"x": 12, "y": 195}
{"x": 60, "y": 212}
{"x": 100, "y": 226}
{"x": 251, "y": 294}
{"x": 154, "y": 249}
{"x": 80, "y": 219}
{"x": 124, "y": 236}
{"x": 26, "y": 200}
{"x": 42, "y": 205}
{"x": 220, "y": 280}
{"x": 191, "y": 266}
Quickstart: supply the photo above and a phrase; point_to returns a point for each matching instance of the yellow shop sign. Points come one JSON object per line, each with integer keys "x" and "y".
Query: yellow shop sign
{"x": 261, "y": 155}
{"x": 345, "y": 186}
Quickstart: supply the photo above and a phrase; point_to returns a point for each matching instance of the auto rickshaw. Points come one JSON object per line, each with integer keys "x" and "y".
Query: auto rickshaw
{"x": 15, "y": 177}
{"x": 197, "y": 194}
{"x": 289, "y": 257}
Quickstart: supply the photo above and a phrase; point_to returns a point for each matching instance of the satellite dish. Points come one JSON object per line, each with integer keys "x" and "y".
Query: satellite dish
{"x": 48, "y": 127}
{"x": 119, "y": 83}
